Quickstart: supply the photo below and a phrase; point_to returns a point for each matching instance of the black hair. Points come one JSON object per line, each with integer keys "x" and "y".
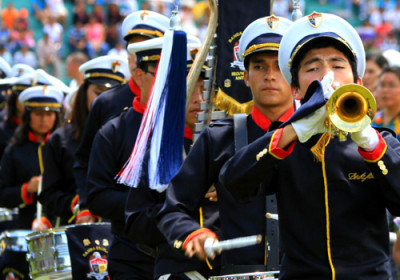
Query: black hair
{"x": 21, "y": 134}
{"x": 378, "y": 58}
{"x": 392, "y": 69}
{"x": 80, "y": 111}
{"x": 319, "y": 43}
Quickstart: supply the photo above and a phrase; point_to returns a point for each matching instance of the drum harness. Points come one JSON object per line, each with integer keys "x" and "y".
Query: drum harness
{"x": 272, "y": 230}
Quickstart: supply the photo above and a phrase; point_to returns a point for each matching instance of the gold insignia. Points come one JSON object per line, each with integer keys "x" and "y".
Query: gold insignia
{"x": 227, "y": 83}
{"x": 115, "y": 65}
{"x": 272, "y": 22}
{"x": 106, "y": 243}
{"x": 193, "y": 53}
{"x": 261, "y": 154}
{"x": 97, "y": 242}
{"x": 385, "y": 172}
{"x": 177, "y": 244}
{"x": 144, "y": 16}
{"x": 315, "y": 19}
{"x": 86, "y": 242}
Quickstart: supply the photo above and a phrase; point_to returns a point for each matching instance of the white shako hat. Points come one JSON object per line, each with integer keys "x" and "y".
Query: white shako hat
{"x": 319, "y": 26}
{"x": 107, "y": 70}
{"x": 46, "y": 98}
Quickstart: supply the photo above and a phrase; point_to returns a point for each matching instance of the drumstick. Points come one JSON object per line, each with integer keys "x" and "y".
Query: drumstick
{"x": 38, "y": 204}
{"x": 213, "y": 246}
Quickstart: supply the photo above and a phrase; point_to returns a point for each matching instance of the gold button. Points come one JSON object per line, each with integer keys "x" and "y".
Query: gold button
{"x": 385, "y": 172}
{"x": 382, "y": 167}
{"x": 380, "y": 163}
{"x": 177, "y": 244}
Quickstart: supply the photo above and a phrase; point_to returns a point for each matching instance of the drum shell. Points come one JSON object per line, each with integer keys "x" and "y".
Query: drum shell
{"x": 48, "y": 255}
{"x": 14, "y": 240}
{"x": 272, "y": 275}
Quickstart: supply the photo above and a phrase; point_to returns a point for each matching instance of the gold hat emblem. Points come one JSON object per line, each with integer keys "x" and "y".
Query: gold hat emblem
{"x": 144, "y": 16}
{"x": 272, "y": 22}
{"x": 115, "y": 65}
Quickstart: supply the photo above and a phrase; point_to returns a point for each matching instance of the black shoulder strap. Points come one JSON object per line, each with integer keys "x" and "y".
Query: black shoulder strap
{"x": 272, "y": 229}
{"x": 240, "y": 130}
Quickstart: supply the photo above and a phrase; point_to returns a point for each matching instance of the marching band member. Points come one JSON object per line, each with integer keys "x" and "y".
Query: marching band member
{"x": 59, "y": 194}
{"x": 143, "y": 204}
{"x": 332, "y": 198}
{"x": 22, "y": 161}
{"x": 111, "y": 148}
{"x": 138, "y": 26}
{"x": 179, "y": 219}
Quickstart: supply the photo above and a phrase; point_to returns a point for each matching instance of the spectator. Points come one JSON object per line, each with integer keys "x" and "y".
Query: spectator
{"x": 95, "y": 36}
{"x": 80, "y": 14}
{"x": 118, "y": 50}
{"x": 98, "y": 13}
{"x": 25, "y": 56}
{"x": 47, "y": 53}
{"x": 4, "y": 53}
{"x": 4, "y": 34}
{"x": 9, "y": 15}
{"x": 74, "y": 60}
{"x": 54, "y": 29}
{"x": 187, "y": 18}
{"x": 57, "y": 10}
{"x": 38, "y": 7}
{"x": 77, "y": 38}
{"x": 113, "y": 15}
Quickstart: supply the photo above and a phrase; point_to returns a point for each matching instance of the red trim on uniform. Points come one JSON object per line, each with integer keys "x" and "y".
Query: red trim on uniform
{"x": 74, "y": 202}
{"x": 134, "y": 87}
{"x": 32, "y": 137}
{"x": 264, "y": 123}
{"x": 273, "y": 146}
{"x": 86, "y": 213}
{"x": 188, "y": 133}
{"x": 27, "y": 198}
{"x": 137, "y": 106}
{"x": 196, "y": 233}
{"x": 376, "y": 154}
{"x": 16, "y": 120}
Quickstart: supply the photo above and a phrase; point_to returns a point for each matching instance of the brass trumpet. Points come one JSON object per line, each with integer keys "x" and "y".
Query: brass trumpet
{"x": 350, "y": 109}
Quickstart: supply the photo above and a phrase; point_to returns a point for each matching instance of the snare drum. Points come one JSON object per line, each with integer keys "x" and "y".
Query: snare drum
{"x": 48, "y": 255}
{"x": 14, "y": 240}
{"x": 272, "y": 275}
{"x": 71, "y": 252}
{"x": 13, "y": 256}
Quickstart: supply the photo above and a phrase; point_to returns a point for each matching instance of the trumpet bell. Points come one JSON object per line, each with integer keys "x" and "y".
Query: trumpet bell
{"x": 351, "y": 108}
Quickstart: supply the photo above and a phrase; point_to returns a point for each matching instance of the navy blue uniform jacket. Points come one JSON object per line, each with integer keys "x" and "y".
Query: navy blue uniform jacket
{"x": 179, "y": 216}
{"x": 58, "y": 185}
{"x": 108, "y": 105}
{"x": 332, "y": 214}
{"x": 112, "y": 147}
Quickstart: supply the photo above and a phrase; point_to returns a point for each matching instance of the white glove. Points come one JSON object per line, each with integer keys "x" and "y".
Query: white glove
{"x": 327, "y": 82}
{"x": 311, "y": 124}
{"x": 367, "y": 138}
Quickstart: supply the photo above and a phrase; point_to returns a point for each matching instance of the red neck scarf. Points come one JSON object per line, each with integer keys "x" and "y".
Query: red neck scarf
{"x": 262, "y": 120}
{"x": 134, "y": 87}
{"x": 16, "y": 120}
{"x": 137, "y": 106}
{"x": 188, "y": 133}
{"x": 32, "y": 137}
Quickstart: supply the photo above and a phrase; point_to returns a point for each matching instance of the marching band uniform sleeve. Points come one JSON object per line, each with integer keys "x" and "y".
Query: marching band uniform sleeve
{"x": 257, "y": 164}
{"x": 59, "y": 188}
{"x": 109, "y": 104}
{"x": 104, "y": 199}
{"x": 180, "y": 215}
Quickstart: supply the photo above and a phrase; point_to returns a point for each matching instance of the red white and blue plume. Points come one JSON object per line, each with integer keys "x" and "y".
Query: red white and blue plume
{"x": 162, "y": 127}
